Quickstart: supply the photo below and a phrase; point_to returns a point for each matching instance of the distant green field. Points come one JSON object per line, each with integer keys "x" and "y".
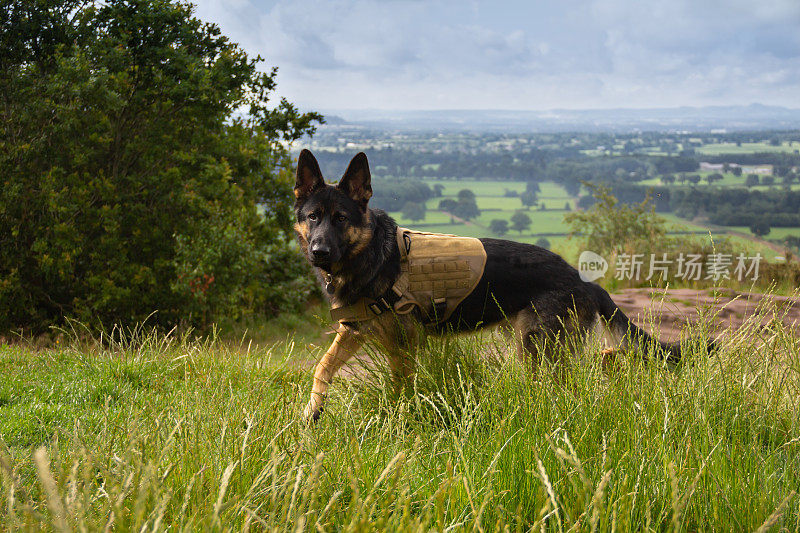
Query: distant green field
{"x": 746, "y": 148}
{"x": 775, "y": 233}
{"x": 479, "y": 187}
{"x": 780, "y": 233}
{"x": 548, "y": 189}
{"x": 431, "y": 217}
{"x": 492, "y": 194}
{"x": 484, "y": 202}
{"x": 681, "y": 224}
{"x": 542, "y": 221}
{"x": 708, "y": 236}
{"x": 749, "y": 247}
{"x": 492, "y": 202}
{"x": 491, "y": 199}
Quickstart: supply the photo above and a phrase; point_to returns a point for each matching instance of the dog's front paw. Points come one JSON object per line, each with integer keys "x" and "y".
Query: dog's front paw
{"x": 312, "y": 412}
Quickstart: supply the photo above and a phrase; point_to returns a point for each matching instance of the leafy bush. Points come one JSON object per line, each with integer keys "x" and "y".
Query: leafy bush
{"x": 611, "y": 227}
{"x": 131, "y": 181}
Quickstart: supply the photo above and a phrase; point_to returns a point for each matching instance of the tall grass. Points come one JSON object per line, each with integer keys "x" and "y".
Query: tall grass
{"x": 148, "y": 432}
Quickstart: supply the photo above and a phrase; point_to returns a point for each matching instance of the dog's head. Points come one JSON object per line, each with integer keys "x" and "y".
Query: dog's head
{"x": 332, "y": 220}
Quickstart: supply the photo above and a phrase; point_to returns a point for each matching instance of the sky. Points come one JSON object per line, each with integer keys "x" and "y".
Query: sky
{"x": 532, "y": 55}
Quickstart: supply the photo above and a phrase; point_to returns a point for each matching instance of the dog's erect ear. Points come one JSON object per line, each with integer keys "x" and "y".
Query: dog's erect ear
{"x": 356, "y": 182}
{"x": 309, "y": 176}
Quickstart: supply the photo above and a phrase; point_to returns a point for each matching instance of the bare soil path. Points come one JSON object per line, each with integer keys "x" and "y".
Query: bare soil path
{"x": 729, "y": 309}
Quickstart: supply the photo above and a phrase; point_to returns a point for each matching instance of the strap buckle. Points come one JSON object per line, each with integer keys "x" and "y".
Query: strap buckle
{"x": 379, "y": 307}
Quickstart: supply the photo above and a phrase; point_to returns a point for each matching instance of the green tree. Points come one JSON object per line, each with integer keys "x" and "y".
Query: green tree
{"x": 543, "y": 243}
{"x": 414, "y": 211}
{"x": 465, "y": 207}
{"x": 143, "y": 168}
{"x": 448, "y": 204}
{"x": 466, "y": 195}
{"x": 768, "y": 180}
{"x": 520, "y": 221}
{"x": 737, "y": 171}
{"x": 751, "y": 180}
{"x": 529, "y": 198}
{"x": 610, "y": 227}
{"x": 466, "y": 210}
{"x": 498, "y": 226}
{"x": 760, "y": 228}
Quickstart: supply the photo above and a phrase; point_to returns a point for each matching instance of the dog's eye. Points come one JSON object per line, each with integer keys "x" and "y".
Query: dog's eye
{"x": 312, "y": 217}
{"x": 341, "y": 218}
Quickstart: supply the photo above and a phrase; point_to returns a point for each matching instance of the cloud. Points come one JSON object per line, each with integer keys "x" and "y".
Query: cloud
{"x": 576, "y": 53}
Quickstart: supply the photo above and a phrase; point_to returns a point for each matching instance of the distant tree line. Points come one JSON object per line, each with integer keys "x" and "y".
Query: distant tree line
{"x": 725, "y": 207}
{"x": 779, "y": 159}
{"x": 739, "y": 207}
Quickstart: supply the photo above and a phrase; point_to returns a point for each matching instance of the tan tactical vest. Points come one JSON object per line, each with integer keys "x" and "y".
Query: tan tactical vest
{"x": 436, "y": 273}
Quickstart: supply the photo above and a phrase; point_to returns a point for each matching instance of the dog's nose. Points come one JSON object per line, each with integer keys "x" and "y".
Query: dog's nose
{"x": 320, "y": 252}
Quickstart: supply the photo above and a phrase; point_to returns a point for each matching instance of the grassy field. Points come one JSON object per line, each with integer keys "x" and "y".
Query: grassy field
{"x": 479, "y": 187}
{"x": 155, "y": 433}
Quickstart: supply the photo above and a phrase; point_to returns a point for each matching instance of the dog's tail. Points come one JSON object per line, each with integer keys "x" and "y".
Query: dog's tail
{"x": 626, "y": 332}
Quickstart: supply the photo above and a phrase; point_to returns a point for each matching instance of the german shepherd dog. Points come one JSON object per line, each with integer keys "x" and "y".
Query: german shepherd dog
{"x": 355, "y": 255}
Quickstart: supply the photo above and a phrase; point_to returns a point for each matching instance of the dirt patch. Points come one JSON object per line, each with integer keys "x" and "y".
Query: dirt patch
{"x": 728, "y": 309}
